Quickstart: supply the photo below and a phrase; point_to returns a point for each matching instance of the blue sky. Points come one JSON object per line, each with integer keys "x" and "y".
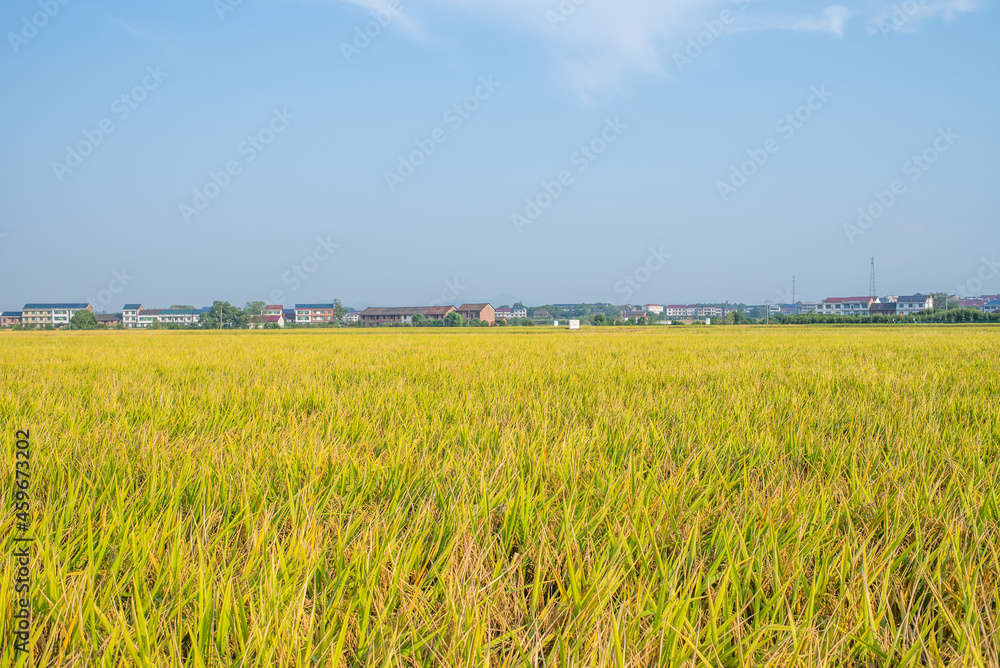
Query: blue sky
{"x": 630, "y": 151}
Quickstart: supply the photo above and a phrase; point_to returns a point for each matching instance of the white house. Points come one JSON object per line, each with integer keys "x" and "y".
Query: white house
{"x": 847, "y": 305}
{"x": 510, "y": 313}
{"x": 261, "y": 321}
{"x": 169, "y": 316}
{"x": 130, "y": 315}
{"x": 910, "y": 304}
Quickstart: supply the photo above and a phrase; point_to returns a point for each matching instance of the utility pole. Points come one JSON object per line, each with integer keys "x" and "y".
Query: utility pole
{"x": 794, "y": 303}
{"x": 871, "y": 285}
{"x": 767, "y": 311}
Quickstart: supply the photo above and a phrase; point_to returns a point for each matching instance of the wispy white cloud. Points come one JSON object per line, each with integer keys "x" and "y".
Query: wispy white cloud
{"x": 831, "y": 21}
{"x": 596, "y": 44}
{"x": 141, "y": 34}
{"x": 400, "y": 18}
{"x": 602, "y": 41}
{"x": 906, "y": 16}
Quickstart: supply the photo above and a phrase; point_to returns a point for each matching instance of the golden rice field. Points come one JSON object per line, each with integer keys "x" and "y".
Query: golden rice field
{"x": 711, "y": 496}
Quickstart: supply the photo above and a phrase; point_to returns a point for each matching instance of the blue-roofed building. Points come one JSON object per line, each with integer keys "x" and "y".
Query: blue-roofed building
{"x": 57, "y": 315}
{"x": 992, "y": 306}
{"x": 130, "y": 315}
{"x": 314, "y": 314}
{"x": 9, "y": 318}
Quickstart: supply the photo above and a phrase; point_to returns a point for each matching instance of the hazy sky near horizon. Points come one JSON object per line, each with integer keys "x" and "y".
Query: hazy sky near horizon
{"x": 665, "y": 151}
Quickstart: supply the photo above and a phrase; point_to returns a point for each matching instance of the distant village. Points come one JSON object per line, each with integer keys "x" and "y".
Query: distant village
{"x": 259, "y": 315}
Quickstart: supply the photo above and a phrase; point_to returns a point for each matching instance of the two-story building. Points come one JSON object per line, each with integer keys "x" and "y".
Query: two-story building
{"x": 147, "y": 317}
{"x": 855, "y": 306}
{"x": 10, "y": 318}
{"x": 512, "y": 313}
{"x": 188, "y": 317}
{"x": 976, "y": 304}
{"x": 108, "y": 319}
{"x": 911, "y": 304}
{"x": 182, "y": 316}
{"x": 484, "y": 312}
{"x": 885, "y": 308}
{"x": 375, "y": 316}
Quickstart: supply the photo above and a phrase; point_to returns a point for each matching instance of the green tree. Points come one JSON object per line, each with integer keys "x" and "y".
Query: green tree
{"x": 83, "y": 319}
{"x": 453, "y": 319}
{"x": 943, "y": 301}
{"x": 599, "y": 319}
{"x": 254, "y": 309}
{"x": 232, "y": 317}
{"x": 339, "y": 310}
{"x": 419, "y": 320}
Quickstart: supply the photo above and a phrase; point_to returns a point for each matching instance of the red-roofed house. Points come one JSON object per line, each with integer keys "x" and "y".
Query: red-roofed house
{"x": 375, "y": 316}
{"x": 478, "y": 312}
{"x": 261, "y": 321}
{"x": 977, "y": 304}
